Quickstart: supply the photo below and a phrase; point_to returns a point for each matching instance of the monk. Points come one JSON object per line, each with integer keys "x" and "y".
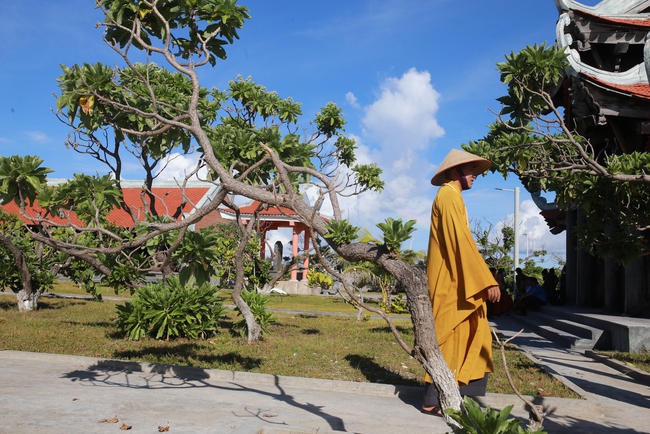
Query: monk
{"x": 459, "y": 281}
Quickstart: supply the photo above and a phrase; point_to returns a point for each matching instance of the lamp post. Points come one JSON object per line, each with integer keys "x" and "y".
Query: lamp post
{"x": 516, "y": 253}
{"x": 527, "y": 245}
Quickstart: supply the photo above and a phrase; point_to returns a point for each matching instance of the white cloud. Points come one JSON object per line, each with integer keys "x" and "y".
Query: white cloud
{"x": 38, "y": 136}
{"x": 352, "y": 100}
{"x": 404, "y": 116}
{"x": 399, "y": 126}
{"x": 534, "y": 233}
{"x": 178, "y": 166}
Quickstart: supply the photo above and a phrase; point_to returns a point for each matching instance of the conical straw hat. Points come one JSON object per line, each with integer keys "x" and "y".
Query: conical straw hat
{"x": 457, "y": 157}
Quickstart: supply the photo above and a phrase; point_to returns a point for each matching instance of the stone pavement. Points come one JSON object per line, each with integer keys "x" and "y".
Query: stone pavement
{"x": 614, "y": 402}
{"x": 47, "y": 393}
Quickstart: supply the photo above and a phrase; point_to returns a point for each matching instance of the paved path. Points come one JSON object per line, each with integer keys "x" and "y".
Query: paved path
{"x": 616, "y": 402}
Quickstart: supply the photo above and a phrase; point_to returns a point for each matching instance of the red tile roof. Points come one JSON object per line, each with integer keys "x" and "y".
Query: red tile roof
{"x": 633, "y": 22}
{"x": 269, "y": 211}
{"x": 639, "y": 90}
{"x": 167, "y": 201}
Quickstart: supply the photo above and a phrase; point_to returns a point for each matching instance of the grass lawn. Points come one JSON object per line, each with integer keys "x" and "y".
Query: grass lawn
{"x": 639, "y": 359}
{"x": 277, "y": 301}
{"x": 317, "y": 346}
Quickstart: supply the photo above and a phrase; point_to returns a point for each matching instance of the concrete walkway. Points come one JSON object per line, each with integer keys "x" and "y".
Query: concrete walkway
{"x": 46, "y": 393}
{"x": 614, "y": 401}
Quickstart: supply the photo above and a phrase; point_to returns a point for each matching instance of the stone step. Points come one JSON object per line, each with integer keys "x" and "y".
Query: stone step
{"x": 571, "y": 325}
{"x": 567, "y": 333}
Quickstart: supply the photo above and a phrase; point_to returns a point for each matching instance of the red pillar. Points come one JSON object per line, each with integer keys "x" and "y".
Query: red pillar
{"x": 305, "y": 263}
{"x": 294, "y": 251}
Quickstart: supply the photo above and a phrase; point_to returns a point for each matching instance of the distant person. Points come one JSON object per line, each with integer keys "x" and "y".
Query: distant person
{"x": 506, "y": 303}
{"x": 550, "y": 283}
{"x": 459, "y": 281}
{"x": 532, "y": 299}
{"x": 521, "y": 281}
{"x": 559, "y": 297}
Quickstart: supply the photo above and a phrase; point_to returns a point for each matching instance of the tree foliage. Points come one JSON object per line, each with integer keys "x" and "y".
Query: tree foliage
{"x": 535, "y": 144}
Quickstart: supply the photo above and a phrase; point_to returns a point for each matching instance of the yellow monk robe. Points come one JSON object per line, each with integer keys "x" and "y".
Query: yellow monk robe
{"x": 458, "y": 276}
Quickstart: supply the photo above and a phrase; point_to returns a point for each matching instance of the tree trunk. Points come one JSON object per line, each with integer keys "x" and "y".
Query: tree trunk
{"x": 27, "y": 302}
{"x": 254, "y": 329}
{"x": 425, "y": 348}
{"x": 27, "y": 298}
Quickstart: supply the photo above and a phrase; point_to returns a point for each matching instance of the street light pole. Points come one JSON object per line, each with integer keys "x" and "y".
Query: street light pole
{"x": 527, "y": 245}
{"x": 516, "y": 247}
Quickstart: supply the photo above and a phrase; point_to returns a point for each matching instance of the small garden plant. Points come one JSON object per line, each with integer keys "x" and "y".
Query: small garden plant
{"x": 169, "y": 310}
{"x": 475, "y": 421}
{"x": 257, "y": 303}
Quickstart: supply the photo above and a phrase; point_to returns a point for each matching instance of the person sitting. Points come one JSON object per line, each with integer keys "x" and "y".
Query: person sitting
{"x": 521, "y": 282}
{"x": 533, "y": 298}
{"x": 505, "y": 304}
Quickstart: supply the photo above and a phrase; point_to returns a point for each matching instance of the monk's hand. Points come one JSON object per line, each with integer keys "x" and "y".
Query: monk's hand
{"x": 494, "y": 294}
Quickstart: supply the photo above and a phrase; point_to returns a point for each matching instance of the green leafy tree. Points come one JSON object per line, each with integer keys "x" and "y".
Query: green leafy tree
{"x": 532, "y": 141}
{"x": 27, "y": 268}
{"x": 495, "y": 248}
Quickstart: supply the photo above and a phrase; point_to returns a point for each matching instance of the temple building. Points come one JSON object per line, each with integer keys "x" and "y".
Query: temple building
{"x": 606, "y": 98}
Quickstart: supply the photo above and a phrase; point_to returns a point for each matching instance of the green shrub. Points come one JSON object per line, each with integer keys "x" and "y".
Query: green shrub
{"x": 316, "y": 278}
{"x": 399, "y": 305}
{"x": 257, "y": 303}
{"x": 475, "y": 421}
{"x": 170, "y": 310}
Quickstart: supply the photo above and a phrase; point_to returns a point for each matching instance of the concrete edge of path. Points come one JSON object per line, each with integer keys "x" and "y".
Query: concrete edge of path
{"x": 631, "y": 371}
{"x": 555, "y": 406}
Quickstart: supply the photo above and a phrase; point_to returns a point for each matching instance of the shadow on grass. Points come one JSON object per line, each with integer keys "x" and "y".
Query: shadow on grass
{"x": 401, "y": 329}
{"x": 375, "y": 373}
{"x": 100, "y": 324}
{"x": 11, "y": 303}
{"x": 8, "y": 303}
{"x": 190, "y": 354}
{"x": 311, "y": 332}
{"x": 47, "y": 305}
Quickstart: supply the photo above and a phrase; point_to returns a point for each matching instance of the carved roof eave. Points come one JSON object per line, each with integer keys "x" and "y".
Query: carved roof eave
{"x": 628, "y": 9}
{"x": 635, "y": 75}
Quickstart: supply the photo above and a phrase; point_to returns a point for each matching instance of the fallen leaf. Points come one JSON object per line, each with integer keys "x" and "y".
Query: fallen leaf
{"x": 164, "y": 428}
{"x": 269, "y": 415}
{"x": 114, "y": 420}
{"x": 125, "y": 427}
{"x": 543, "y": 392}
{"x": 75, "y": 399}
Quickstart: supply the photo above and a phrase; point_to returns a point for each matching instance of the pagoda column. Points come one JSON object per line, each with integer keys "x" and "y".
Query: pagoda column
{"x": 263, "y": 246}
{"x": 305, "y": 262}
{"x": 294, "y": 250}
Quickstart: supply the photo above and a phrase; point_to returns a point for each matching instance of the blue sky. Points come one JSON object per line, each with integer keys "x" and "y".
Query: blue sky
{"x": 415, "y": 78}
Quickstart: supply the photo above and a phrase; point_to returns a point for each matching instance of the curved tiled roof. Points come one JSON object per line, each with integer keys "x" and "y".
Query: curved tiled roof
{"x": 639, "y": 90}
{"x": 635, "y": 20}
